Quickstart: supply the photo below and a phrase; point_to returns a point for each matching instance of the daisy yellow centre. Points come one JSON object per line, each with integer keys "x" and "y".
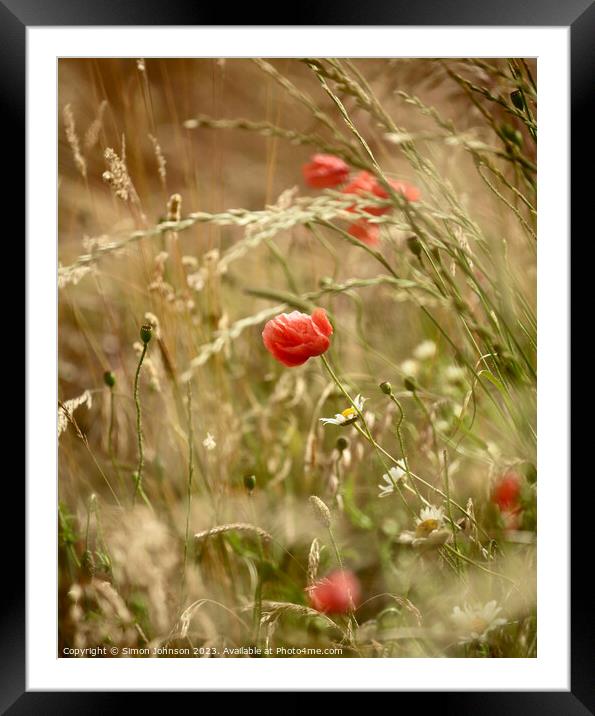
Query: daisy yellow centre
{"x": 424, "y": 528}
{"x": 349, "y": 413}
{"x": 478, "y": 625}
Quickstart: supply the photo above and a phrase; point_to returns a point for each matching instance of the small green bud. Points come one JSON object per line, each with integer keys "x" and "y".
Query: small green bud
{"x": 531, "y": 473}
{"x": 109, "y": 379}
{"x": 414, "y": 245}
{"x": 386, "y": 387}
{"x": 459, "y": 304}
{"x": 516, "y": 98}
{"x": 249, "y": 482}
{"x": 410, "y": 383}
{"x": 512, "y": 135}
{"x": 146, "y": 332}
{"x": 342, "y": 444}
{"x": 325, "y": 281}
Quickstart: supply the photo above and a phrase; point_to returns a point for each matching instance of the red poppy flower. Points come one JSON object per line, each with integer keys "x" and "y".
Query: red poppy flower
{"x": 506, "y": 492}
{"x": 338, "y": 593}
{"x": 366, "y": 183}
{"x": 294, "y": 337}
{"x": 365, "y": 231}
{"x": 325, "y": 170}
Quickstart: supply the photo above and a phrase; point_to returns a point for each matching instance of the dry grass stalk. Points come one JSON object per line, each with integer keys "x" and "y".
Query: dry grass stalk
{"x": 234, "y": 527}
{"x": 73, "y": 140}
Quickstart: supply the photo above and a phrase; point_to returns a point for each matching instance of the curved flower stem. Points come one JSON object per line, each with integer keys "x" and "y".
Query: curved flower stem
{"x": 138, "y": 489}
{"x": 365, "y": 432}
{"x": 392, "y": 396}
{"x": 428, "y": 416}
{"x": 341, "y": 387}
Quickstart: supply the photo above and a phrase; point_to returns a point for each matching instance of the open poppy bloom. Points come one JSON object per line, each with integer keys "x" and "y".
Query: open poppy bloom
{"x": 338, "y": 593}
{"x": 366, "y": 183}
{"x": 365, "y": 232}
{"x": 324, "y": 171}
{"x": 292, "y": 338}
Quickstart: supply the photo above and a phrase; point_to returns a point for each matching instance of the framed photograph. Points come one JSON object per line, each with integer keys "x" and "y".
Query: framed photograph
{"x": 298, "y": 353}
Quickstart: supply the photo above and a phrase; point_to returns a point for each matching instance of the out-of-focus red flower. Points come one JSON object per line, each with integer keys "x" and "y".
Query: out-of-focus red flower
{"x": 325, "y": 170}
{"x": 506, "y": 492}
{"x": 365, "y": 231}
{"x": 338, "y": 593}
{"x": 366, "y": 183}
{"x": 294, "y": 337}
{"x": 409, "y": 191}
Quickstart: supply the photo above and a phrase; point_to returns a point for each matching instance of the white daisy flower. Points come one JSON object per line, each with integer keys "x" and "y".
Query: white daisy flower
{"x": 209, "y": 442}
{"x": 391, "y": 479}
{"x": 474, "y": 623}
{"x": 348, "y": 416}
{"x": 430, "y": 518}
{"x": 425, "y": 350}
{"x": 430, "y": 529}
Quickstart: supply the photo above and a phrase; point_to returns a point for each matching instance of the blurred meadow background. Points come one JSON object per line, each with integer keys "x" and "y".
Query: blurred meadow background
{"x": 205, "y": 509}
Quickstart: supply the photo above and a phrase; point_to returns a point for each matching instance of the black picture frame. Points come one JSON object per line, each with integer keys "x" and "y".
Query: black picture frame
{"x": 579, "y": 16}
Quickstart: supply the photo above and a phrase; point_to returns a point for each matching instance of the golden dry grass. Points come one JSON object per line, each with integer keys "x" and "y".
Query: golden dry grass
{"x": 455, "y": 310}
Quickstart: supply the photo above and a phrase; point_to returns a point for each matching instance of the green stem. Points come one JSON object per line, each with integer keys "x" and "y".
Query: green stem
{"x": 402, "y": 443}
{"x": 110, "y": 435}
{"x": 449, "y": 507}
{"x": 352, "y": 618}
{"x": 360, "y": 415}
{"x": 138, "y": 490}
{"x": 189, "y": 486}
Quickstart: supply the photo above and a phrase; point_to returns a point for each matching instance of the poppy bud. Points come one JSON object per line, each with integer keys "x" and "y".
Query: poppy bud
{"x": 414, "y": 245}
{"x": 146, "y": 332}
{"x": 342, "y": 444}
{"x": 410, "y": 383}
{"x": 249, "y": 482}
{"x": 386, "y": 387}
{"x": 531, "y": 473}
{"x": 109, "y": 379}
{"x": 511, "y": 134}
{"x": 459, "y": 304}
{"x": 516, "y": 98}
